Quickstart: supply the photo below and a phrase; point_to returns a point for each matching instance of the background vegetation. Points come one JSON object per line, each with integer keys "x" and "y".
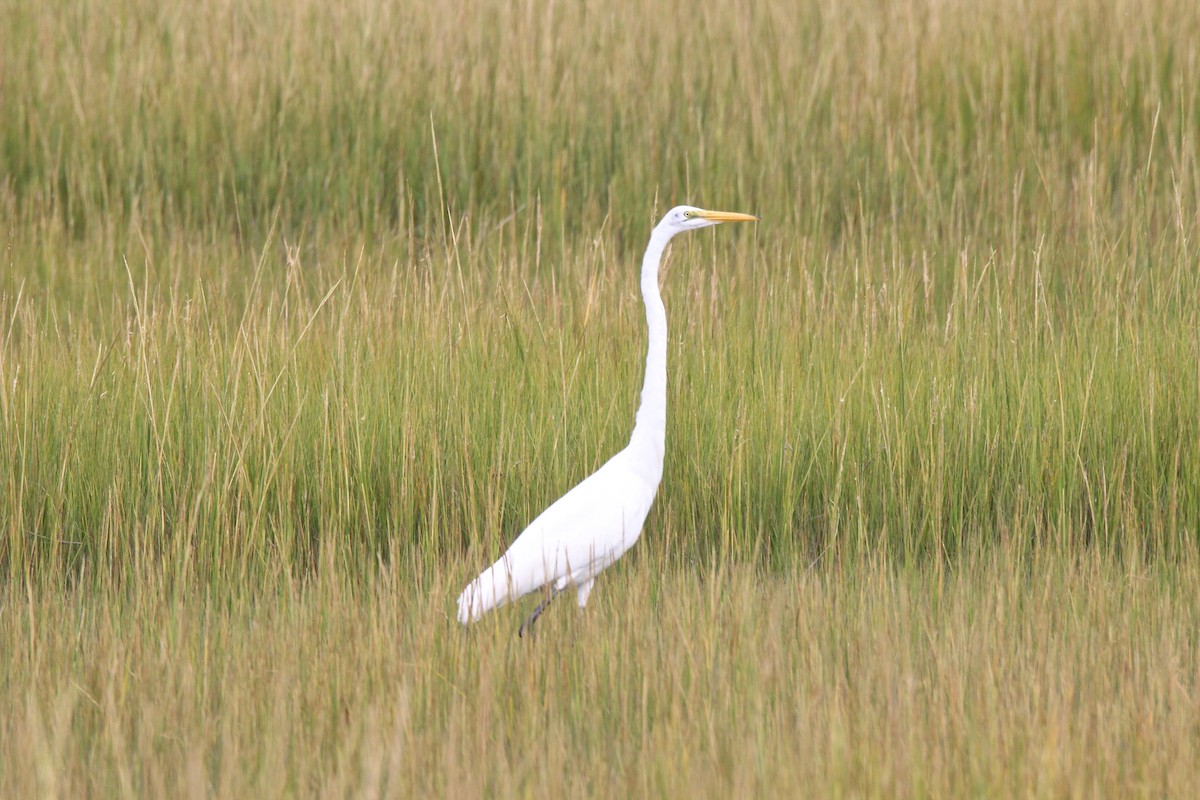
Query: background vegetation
{"x": 307, "y": 308}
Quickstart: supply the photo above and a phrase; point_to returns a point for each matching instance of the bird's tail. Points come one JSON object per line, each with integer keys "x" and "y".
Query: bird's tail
{"x": 492, "y": 588}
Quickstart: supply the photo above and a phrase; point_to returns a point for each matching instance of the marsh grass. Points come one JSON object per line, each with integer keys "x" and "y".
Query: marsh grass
{"x": 307, "y": 309}
{"x": 1059, "y": 674}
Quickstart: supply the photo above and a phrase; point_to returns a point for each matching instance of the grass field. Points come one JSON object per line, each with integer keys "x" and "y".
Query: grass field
{"x": 307, "y": 308}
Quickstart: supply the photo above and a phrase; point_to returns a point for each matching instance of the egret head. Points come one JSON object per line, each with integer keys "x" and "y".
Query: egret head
{"x": 687, "y": 218}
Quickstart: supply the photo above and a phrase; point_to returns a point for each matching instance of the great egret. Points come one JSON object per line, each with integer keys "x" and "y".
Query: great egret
{"x": 591, "y": 526}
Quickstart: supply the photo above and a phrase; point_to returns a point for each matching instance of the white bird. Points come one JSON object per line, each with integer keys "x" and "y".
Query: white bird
{"x": 591, "y": 526}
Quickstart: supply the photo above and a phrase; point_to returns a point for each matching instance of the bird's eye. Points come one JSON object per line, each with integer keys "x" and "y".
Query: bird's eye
{"x": 687, "y": 213}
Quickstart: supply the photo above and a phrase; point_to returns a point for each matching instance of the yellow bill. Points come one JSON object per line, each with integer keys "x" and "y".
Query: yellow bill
{"x": 726, "y": 216}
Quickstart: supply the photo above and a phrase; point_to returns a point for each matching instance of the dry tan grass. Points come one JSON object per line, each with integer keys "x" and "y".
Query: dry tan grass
{"x": 1049, "y": 675}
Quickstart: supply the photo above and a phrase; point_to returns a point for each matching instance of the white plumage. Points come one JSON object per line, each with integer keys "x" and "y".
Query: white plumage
{"x": 591, "y": 526}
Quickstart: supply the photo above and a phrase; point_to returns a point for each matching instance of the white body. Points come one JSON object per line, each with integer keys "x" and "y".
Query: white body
{"x": 571, "y": 542}
{"x": 594, "y": 524}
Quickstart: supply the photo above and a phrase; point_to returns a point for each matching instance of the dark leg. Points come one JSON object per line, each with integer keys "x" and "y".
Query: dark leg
{"x": 527, "y": 625}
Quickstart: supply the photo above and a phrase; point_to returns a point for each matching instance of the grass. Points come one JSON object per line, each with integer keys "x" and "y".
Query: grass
{"x": 1048, "y": 676}
{"x": 306, "y": 310}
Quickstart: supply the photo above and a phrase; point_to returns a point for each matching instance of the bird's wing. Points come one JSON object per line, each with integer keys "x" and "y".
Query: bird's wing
{"x": 574, "y": 539}
{"x": 584, "y": 531}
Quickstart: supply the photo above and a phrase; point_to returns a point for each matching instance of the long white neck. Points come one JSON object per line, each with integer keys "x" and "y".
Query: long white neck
{"x": 650, "y": 429}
